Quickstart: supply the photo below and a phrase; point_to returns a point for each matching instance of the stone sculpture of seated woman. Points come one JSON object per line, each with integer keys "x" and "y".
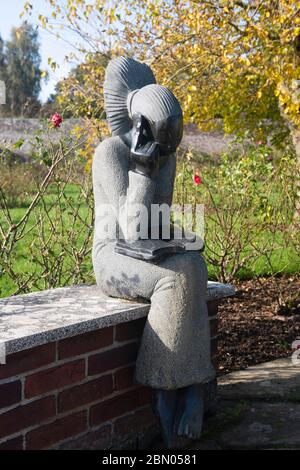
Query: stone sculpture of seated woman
{"x": 137, "y": 167}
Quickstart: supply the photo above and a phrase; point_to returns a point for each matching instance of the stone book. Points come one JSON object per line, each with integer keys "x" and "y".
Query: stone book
{"x": 152, "y": 250}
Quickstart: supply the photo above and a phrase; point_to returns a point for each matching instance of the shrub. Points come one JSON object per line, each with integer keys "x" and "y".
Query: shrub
{"x": 18, "y": 182}
{"x": 249, "y": 208}
{"x": 46, "y": 214}
{"x": 47, "y": 242}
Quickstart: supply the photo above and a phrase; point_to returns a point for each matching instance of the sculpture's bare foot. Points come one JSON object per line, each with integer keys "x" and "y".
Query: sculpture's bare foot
{"x": 165, "y": 404}
{"x": 190, "y": 411}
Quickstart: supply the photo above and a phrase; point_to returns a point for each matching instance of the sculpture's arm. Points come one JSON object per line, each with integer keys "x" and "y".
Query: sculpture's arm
{"x": 139, "y": 197}
{"x": 165, "y": 182}
{"x": 123, "y": 188}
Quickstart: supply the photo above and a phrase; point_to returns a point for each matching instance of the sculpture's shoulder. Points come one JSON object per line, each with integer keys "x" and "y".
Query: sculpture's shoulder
{"x": 111, "y": 148}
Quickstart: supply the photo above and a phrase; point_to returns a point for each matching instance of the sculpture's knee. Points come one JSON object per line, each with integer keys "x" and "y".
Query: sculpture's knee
{"x": 166, "y": 284}
{"x": 187, "y": 271}
{"x": 192, "y": 267}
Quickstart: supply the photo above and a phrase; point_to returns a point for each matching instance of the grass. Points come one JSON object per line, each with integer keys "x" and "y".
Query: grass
{"x": 67, "y": 236}
{"x": 69, "y": 233}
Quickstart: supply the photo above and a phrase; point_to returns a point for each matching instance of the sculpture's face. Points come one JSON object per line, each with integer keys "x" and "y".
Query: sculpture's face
{"x": 168, "y": 134}
{"x": 151, "y": 144}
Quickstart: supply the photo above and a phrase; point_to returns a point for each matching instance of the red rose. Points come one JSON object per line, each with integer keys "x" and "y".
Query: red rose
{"x": 56, "y": 120}
{"x": 197, "y": 180}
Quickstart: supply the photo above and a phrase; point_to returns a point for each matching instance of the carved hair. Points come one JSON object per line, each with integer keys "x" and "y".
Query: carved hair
{"x": 130, "y": 88}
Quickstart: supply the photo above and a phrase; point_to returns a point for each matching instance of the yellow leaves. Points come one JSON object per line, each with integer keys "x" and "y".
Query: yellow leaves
{"x": 225, "y": 63}
{"x": 28, "y": 6}
{"x": 296, "y": 31}
{"x": 111, "y": 15}
{"x": 289, "y": 99}
{"x": 244, "y": 60}
{"x": 77, "y": 131}
{"x": 72, "y": 11}
{"x": 43, "y": 20}
{"x": 88, "y": 10}
{"x": 27, "y": 9}
{"x": 52, "y": 64}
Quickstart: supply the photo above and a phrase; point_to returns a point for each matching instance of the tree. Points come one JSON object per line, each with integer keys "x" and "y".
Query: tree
{"x": 234, "y": 59}
{"x": 238, "y": 59}
{"x": 3, "y": 76}
{"x": 2, "y": 59}
{"x": 23, "y": 71}
{"x": 77, "y": 95}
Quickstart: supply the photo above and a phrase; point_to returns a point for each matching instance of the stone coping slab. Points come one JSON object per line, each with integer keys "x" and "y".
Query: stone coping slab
{"x": 38, "y": 318}
{"x": 279, "y": 379}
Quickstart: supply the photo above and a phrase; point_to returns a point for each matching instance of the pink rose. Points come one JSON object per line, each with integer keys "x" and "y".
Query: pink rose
{"x": 197, "y": 180}
{"x": 56, "y": 120}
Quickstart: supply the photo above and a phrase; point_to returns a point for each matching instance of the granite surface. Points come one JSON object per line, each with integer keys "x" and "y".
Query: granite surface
{"x": 34, "y": 319}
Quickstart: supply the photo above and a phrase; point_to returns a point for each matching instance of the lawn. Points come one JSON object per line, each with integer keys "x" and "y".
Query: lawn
{"x": 57, "y": 251}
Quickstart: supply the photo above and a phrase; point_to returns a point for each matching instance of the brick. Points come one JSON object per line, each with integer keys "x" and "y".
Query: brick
{"x": 54, "y": 378}
{"x": 212, "y": 307}
{"x": 112, "y": 359}
{"x": 214, "y": 346}
{"x": 10, "y": 393}
{"x": 119, "y": 405}
{"x": 60, "y": 429}
{"x": 130, "y": 330}
{"x": 13, "y": 444}
{"x": 124, "y": 378}
{"x": 94, "y": 440}
{"x": 213, "y": 327}
{"x": 27, "y": 415}
{"x": 134, "y": 423}
{"x": 84, "y": 343}
{"x": 85, "y": 393}
{"x": 28, "y": 360}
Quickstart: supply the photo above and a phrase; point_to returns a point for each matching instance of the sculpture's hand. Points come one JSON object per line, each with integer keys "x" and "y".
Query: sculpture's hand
{"x": 144, "y": 155}
{"x": 145, "y": 159}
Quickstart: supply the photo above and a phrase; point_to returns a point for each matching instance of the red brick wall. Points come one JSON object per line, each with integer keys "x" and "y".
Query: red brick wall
{"x": 79, "y": 392}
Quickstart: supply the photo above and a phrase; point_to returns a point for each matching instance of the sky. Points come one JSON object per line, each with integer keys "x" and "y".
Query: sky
{"x": 50, "y": 46}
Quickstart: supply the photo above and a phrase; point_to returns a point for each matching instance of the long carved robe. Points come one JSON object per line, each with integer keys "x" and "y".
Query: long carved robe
{"x": 175, "y": 347}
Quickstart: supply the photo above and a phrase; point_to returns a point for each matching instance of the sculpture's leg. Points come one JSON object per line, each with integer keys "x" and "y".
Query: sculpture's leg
{"x": 180, "y": 413}
{"x": 175, "y": 347}
{"x": 189, "y": 412}
{"x": 165, "y": 406}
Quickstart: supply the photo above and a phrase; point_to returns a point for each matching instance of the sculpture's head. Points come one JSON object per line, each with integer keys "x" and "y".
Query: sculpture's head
{"x": 130, "y": 90}
{"x": 162, "y": 111}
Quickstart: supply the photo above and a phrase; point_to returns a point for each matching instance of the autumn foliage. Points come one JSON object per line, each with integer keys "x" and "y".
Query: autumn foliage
{"x": 233, "y": 64}
{"x": 233, "y": 59}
